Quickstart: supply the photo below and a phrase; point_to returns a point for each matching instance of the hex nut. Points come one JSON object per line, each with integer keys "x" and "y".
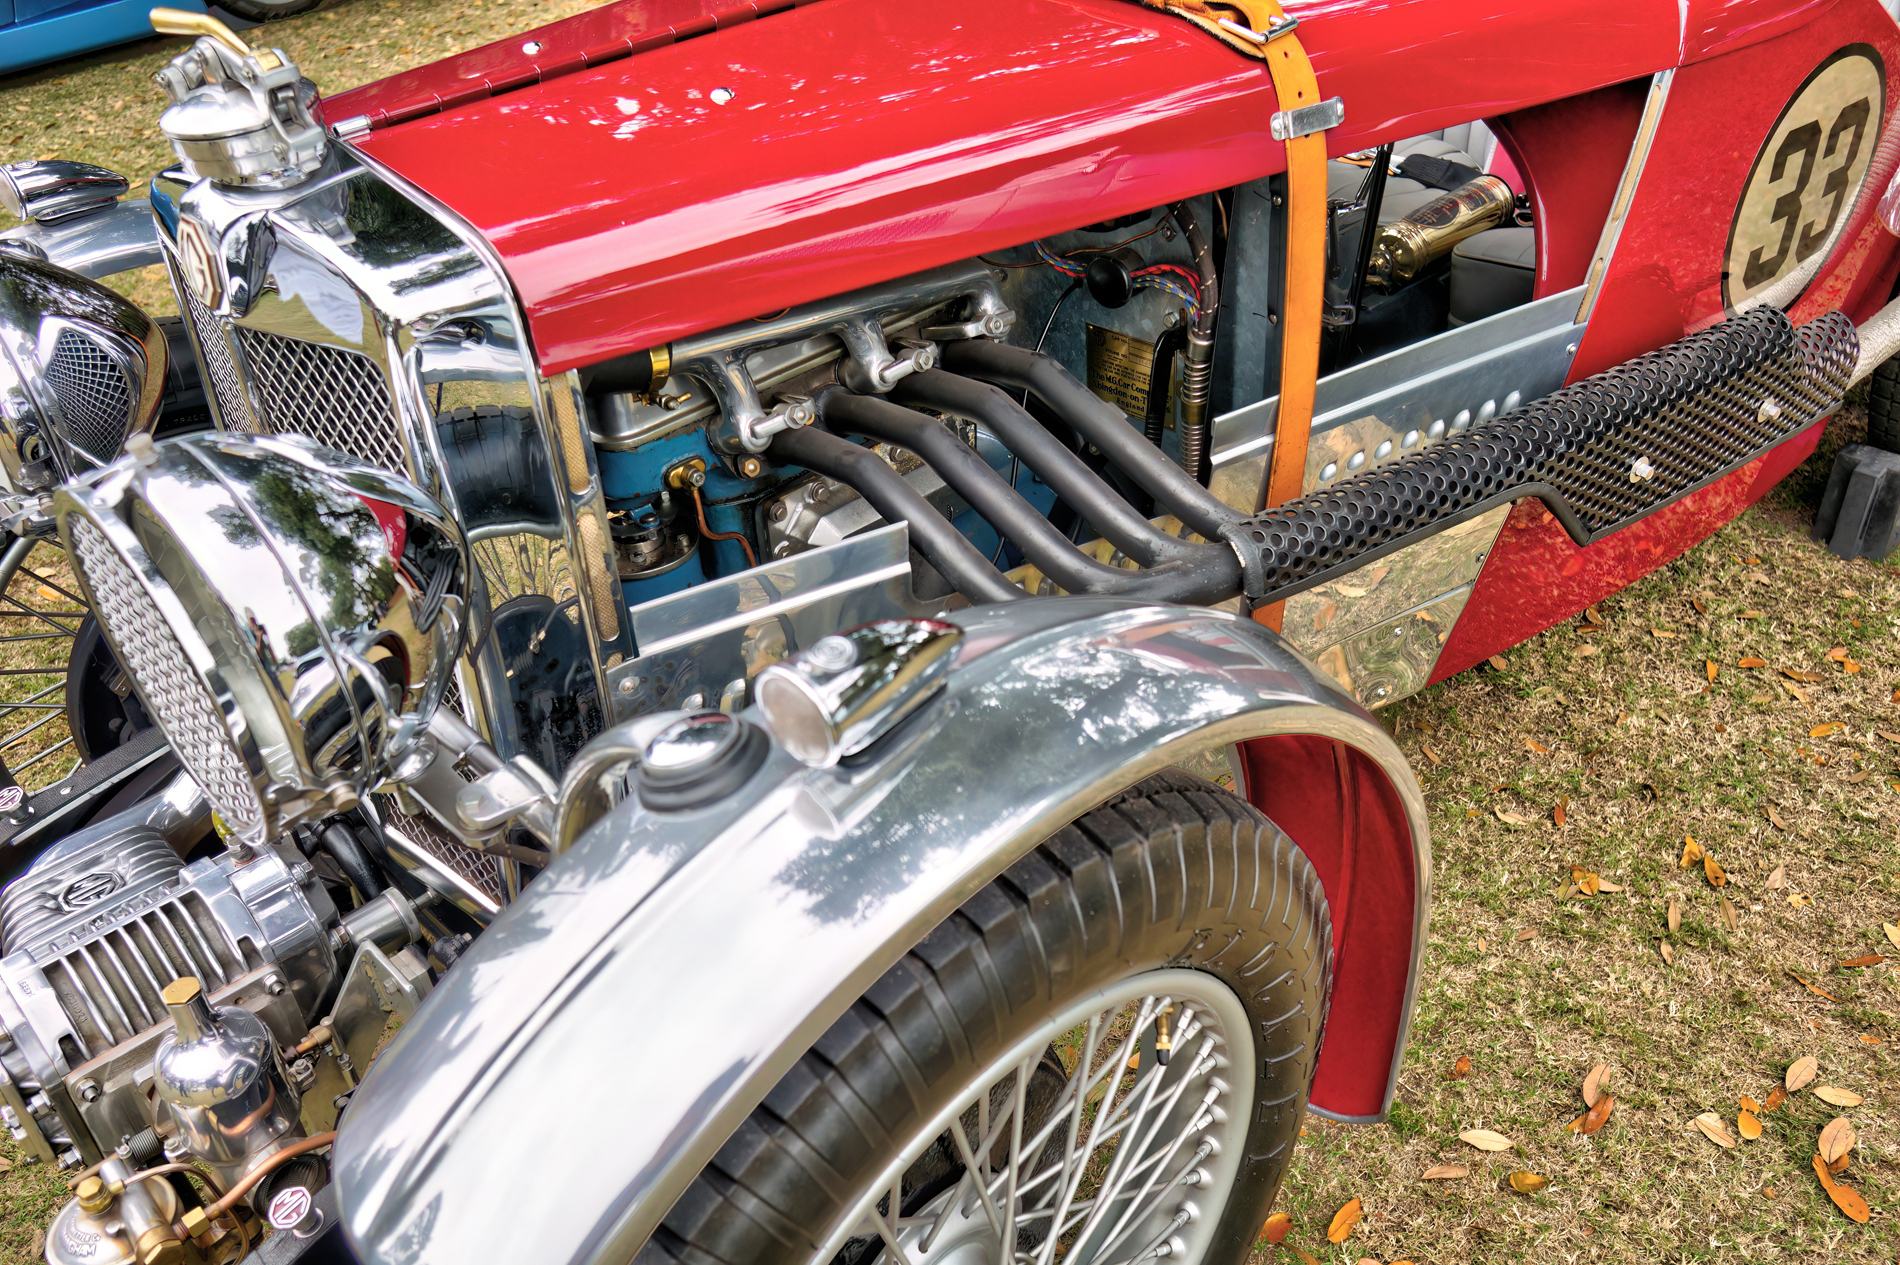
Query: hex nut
{"x": 89, "y": 1090}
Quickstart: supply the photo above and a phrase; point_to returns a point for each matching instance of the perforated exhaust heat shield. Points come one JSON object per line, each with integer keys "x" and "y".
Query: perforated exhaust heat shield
{"x": 1600, "y": 453}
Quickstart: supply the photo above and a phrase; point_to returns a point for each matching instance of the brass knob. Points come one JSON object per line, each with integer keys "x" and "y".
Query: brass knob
{"x": 93, "y": 1194}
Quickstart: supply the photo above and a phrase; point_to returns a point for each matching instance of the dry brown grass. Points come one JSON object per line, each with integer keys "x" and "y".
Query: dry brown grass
{"x": 1632, "y": 718}
{"x": 1647, "y": 750}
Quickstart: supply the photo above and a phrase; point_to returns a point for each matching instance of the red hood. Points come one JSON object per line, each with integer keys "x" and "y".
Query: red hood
{"x": 865, "y": 140}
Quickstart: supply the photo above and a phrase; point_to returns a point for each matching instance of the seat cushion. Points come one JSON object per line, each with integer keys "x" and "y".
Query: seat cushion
{"x": 1492, "y": 272}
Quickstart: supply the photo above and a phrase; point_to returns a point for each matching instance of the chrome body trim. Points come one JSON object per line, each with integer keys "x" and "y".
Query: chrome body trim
{"x": 1378, "y": 631}
{"x": 118, "y": 238}
{"x": 355, "y": 310}
{"x": 1625, "y": 192}
{"x": 1407, "y": 398}
{"x": 653, "y": 924}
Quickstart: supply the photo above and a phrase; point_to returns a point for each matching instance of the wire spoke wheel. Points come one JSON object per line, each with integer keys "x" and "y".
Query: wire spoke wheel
{"x": 41, "y": 617}
{"x": 1079, "y": 1144}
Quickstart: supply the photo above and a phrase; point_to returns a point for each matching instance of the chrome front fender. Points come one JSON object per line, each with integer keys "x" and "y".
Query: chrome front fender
{"x": 580, "y": 1065}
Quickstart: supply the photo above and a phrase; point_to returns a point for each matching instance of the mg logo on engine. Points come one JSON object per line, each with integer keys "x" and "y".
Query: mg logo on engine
{"x": 90, "y": 889}
{"x": 198, "y": 263}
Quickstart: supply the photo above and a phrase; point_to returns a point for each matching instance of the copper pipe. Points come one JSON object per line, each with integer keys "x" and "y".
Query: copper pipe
{"x": 699, "y": 508}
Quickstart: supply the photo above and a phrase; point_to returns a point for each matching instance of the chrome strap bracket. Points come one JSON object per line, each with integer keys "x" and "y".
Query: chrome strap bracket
{"x": 1287, "y": 125}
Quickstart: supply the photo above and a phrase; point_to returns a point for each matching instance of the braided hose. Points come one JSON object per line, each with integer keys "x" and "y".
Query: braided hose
{"x": 1197, "y": 374}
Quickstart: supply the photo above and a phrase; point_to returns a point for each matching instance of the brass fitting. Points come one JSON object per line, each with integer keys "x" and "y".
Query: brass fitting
{"x": 158, "y": 1246}
{"x": 196, "y": 1224}
{"x": 688, "y": 474}
{"x": 94, "y": 1195}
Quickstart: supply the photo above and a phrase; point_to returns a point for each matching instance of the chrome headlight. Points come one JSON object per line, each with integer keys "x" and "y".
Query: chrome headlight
{"x": 278, "y": 606}
{"x": 82, "y": 369}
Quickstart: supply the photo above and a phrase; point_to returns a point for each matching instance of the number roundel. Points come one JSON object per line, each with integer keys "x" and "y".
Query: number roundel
{"x": 1806, "y": 180}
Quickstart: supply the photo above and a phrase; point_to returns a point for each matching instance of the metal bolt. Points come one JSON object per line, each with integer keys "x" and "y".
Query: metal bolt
{"x": 693, "y": 702}
{"x": 779, "y": 511}
{"x": 39, "y": 1102}
{"x": 302, "y": 872}
{"x": 1173, "y": 319}
{"x": 750, "y": 467}
{"x": 1770, "y": 411}
{"x": 721, "y": 95}
{"x": 783, "y": 549}
{"x": 1398, "y": 630}
{"x": 532, "y": 47}
{"x": 89, "y": 1090}
{"x": 69, "y": 1159}
{"x": 274, "y": 985}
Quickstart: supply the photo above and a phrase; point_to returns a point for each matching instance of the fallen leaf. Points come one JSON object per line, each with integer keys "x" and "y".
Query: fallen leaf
{"x": 1306, "y": 1257}
{"x": 1849, "y": 666}
{"x": 1858, "y": 778}
{"x": 1868, "y": 1038}
{"x": 1803, "y": 674}
{"x": 1460, "y": 1069}
{"x": 1751, "y": 662}
{"x": 1594, "y": 616}
{"x": 1668, "y": 954}
{"x": 1796, "y": 692}
{"x": 1728, "y": 916}
{"x": 1778, "y": 878}
{"x": 1846, "y": 1198}
{"x": 1593, "y": 1084}
{"x": 1834, "y": 1096}
{"x": 1512, "y": 819}
{"x": 1775, "y": 817}
{"x": 1429, "y": 753}
{"x": 1277, "y": 1226}
{"x": 1893, "y": 932}
{"x": 1700, "y": 609}
{"x": 1709, "y": 666}
{"x": 1799, "y": 901}
{"x": 1675, "y": 914}
{"x": 1594, "y": 1119}
{"x": 1343, "y": 1221}
{"x": 1576, "y": 1126}
{"x": 1751, "y": 562}
{"x": 1747, "y": 1104}
{"x": 1823, "y": 731}
{"x": 1587, "y": 883}
{"x": 1497, "y": 661}
{"x": 1866, "y": 959}
{"x": 1557, "y": 814}
{"x": 1840, "y": 1165}
{"x": 1604, "y": 885}
{"x": 1816, "y": 989}
{"x": 1482, "y": 946}
{"x": 1444, "y": 1172}
{"x": 1691, "y": 852}
{"x": 1528, "y": 1183}
{"x": 1751, "y": 614}
{"x": 1529, "y": 933}
{"x": 1712, "y": 871}
{"x": 1800, "y": 1072}
{"x": 1837, "y": 653}
{"x": 1883, "y": 733}
{"x": 1585, "y": 649}
{"x": 1661, "y": 633}
{"x": 1486, "y": 1140}
{"x": 1837, "y": 1139}
{"x": 1713, "y": 1128}
{"x": 5, "y": 1164}
{"x": 1536, "y": 746}
{"x": 1747, "y": 1125}
{"x": 1776, "y": 1097}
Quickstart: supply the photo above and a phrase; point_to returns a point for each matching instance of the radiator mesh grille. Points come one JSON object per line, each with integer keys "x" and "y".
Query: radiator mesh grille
{"x": 330, "y": 394}
{"x": 95, "y": 399}
{"x": 215, "y": 355}
{"x": 166, "y": 678}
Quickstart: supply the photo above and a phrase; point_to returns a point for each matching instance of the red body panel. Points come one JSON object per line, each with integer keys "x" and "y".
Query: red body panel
{"x": 1347, "y": 818}
{"x": 1665, "y": 281}
{"x": 867, "y": 141}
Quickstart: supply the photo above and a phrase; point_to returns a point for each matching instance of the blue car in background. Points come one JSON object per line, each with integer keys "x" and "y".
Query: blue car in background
{"x": 36, "y": 31}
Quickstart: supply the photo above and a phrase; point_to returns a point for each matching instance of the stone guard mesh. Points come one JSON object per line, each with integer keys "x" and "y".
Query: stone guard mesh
{"x": 95, "y": 399}
{"x": 1601, "y": 453}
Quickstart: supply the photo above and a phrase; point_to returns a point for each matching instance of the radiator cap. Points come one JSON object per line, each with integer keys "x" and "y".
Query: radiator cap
{"x": 699, "y": 760}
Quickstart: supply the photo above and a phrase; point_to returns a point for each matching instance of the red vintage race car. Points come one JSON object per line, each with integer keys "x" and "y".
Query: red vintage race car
{"x": 807, "y": 579}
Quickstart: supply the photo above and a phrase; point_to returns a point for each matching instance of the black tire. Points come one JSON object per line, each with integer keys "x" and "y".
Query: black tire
{"x": 267, "y": 10}
{"x": 1883, "y": 406}
{"x": 1173, "y": 873}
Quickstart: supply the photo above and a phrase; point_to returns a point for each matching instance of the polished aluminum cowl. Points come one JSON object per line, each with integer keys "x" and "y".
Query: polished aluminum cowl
{"x": 218, "y": 1078}
{"x": 289, "y": 616}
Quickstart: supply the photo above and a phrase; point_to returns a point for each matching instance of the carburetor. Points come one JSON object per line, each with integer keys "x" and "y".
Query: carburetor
{"x": 240, "y": 116}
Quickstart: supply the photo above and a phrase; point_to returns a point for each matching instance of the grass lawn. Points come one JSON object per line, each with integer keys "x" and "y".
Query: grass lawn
{"x": 1615, "y": 721}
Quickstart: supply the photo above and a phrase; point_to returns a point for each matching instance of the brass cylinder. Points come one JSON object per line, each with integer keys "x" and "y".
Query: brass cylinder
{"x": 1405, "y": 248}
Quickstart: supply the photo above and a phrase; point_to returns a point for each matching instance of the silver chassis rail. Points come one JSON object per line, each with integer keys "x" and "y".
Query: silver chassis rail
{"x": 692, "y": 957}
